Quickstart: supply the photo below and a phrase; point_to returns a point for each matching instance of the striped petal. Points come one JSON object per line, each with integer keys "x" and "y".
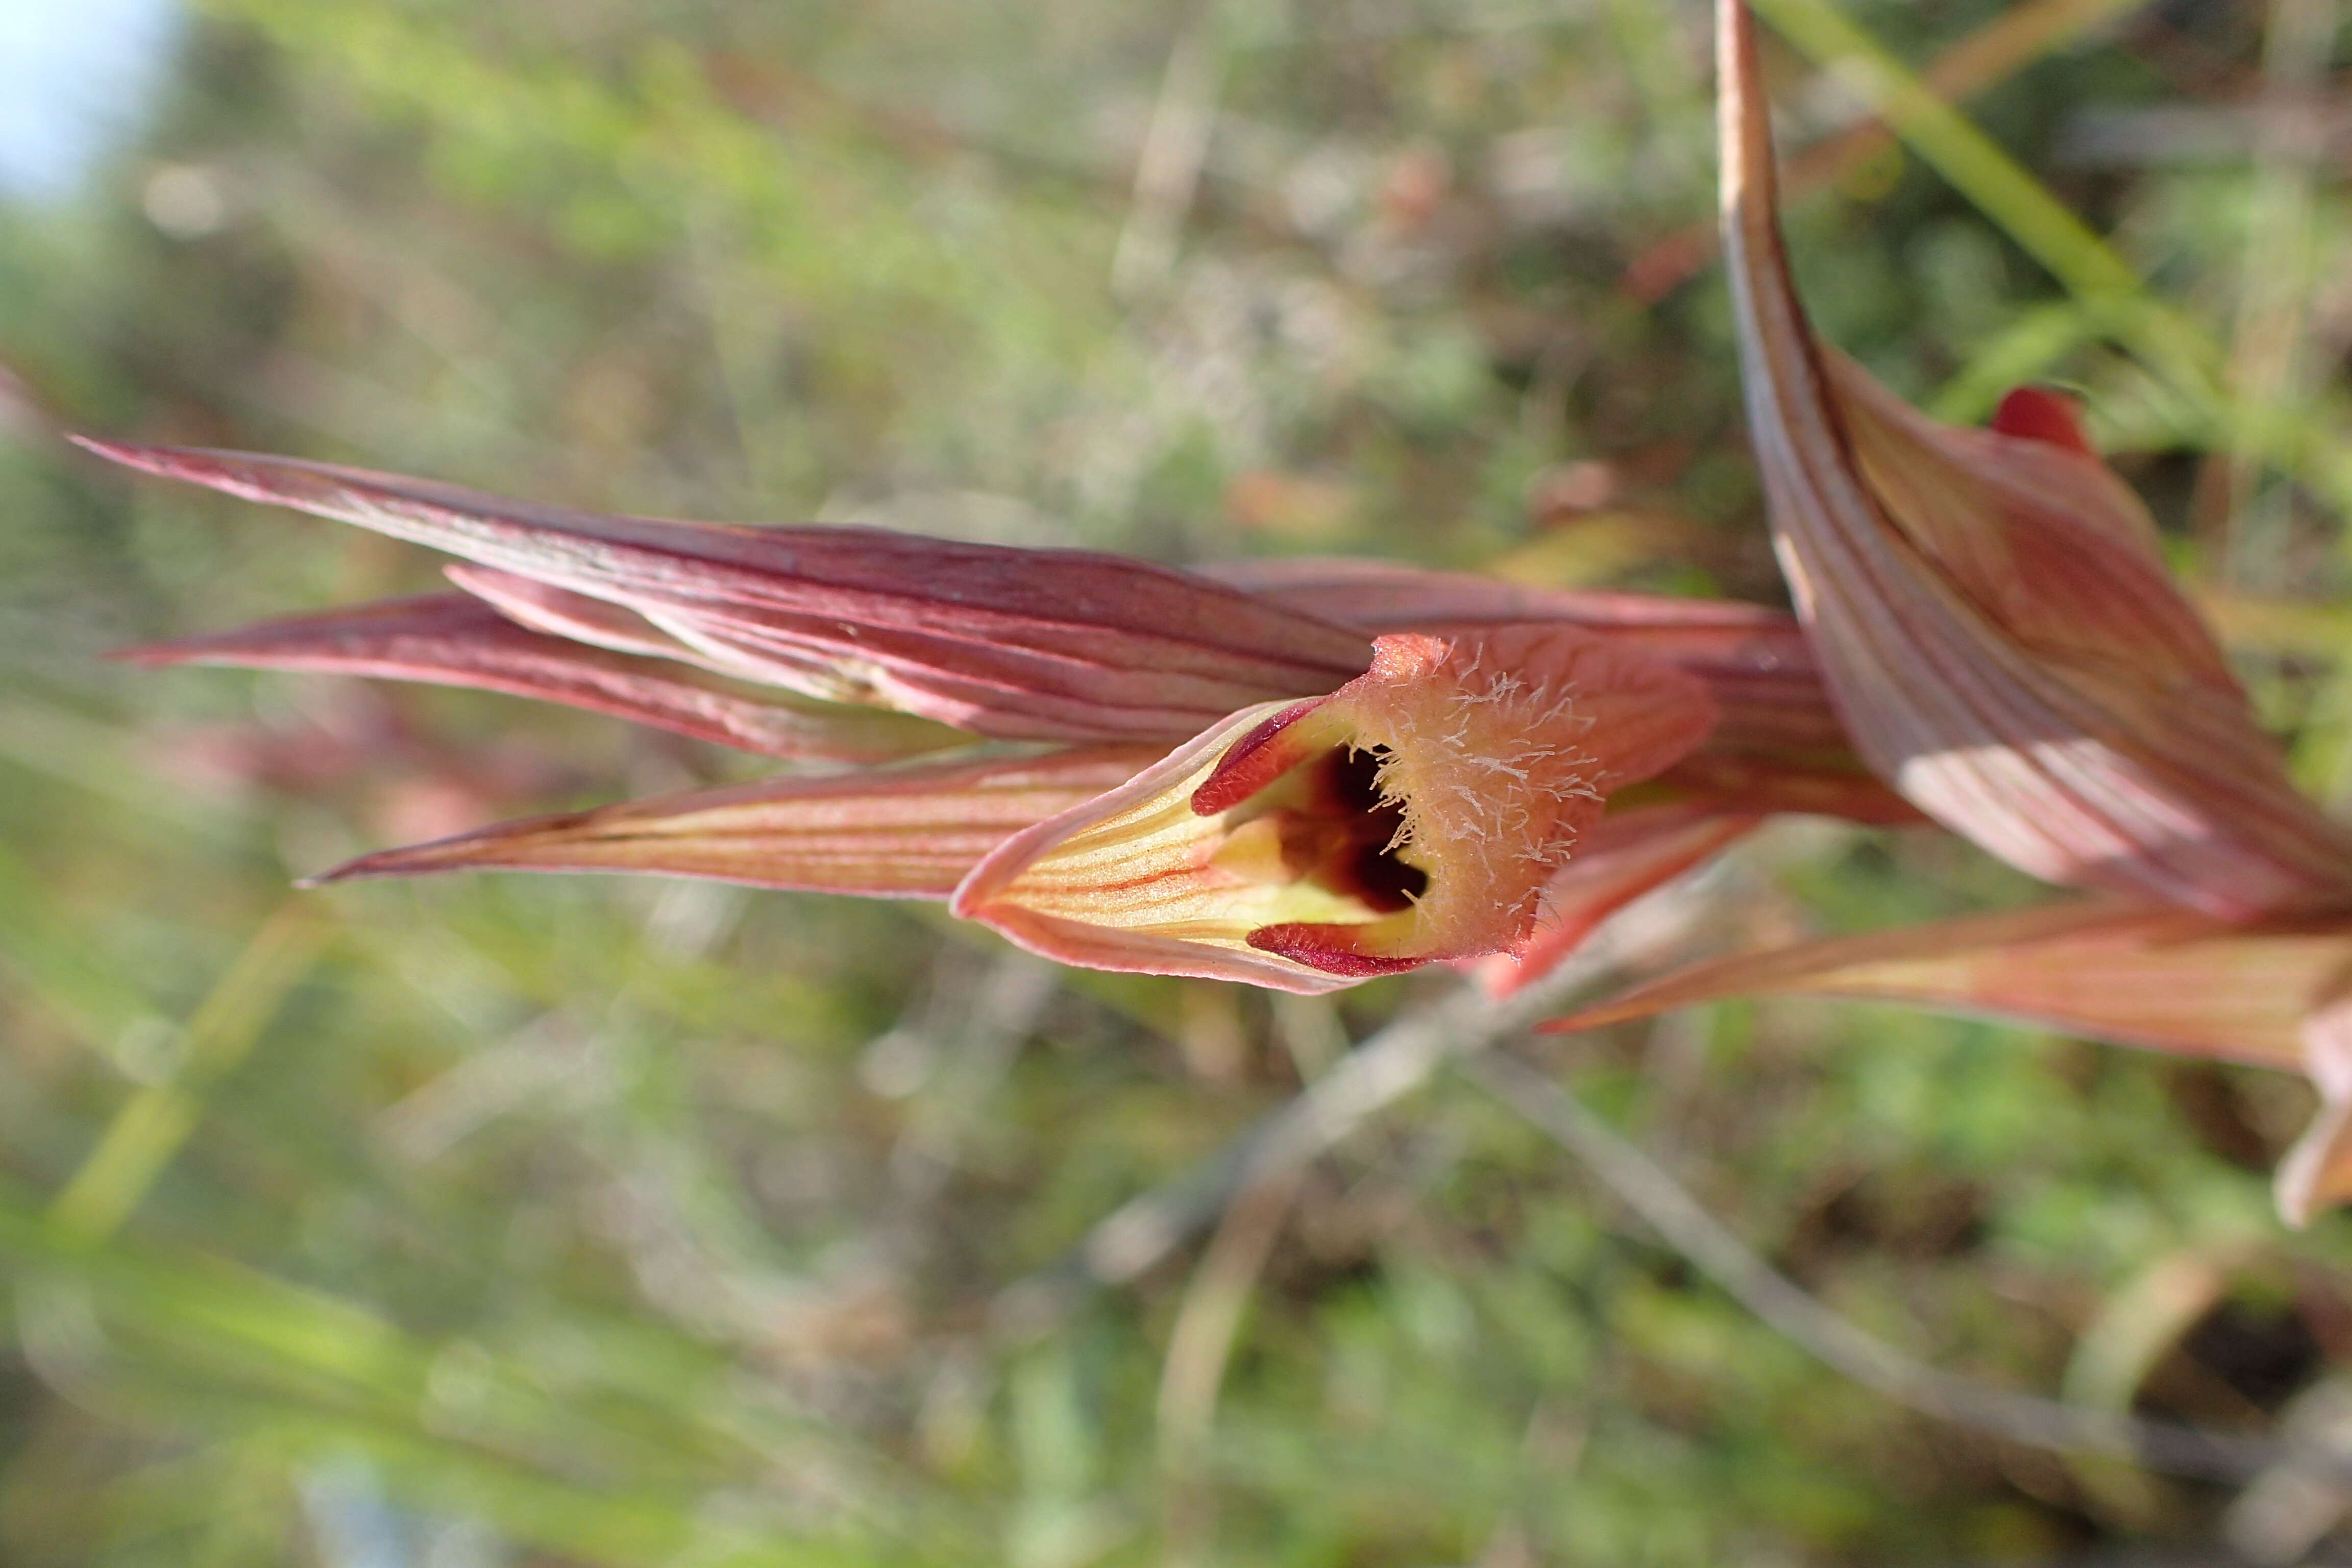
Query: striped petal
{"x": 1013, "y": 644}
{"x": 1992, "y": 615}
{"x": 903, "y": 832}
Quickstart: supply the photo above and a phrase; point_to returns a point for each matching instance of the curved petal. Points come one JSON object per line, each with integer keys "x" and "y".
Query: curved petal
{"x": 1992, "y": 617}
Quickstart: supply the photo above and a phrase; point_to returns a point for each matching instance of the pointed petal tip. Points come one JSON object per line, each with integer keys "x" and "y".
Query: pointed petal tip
{"x": 1743, "y": 115}
{"x": 166, "y": 461}
{"x": 408, "y": 861}
{"x": 146, "y": 655}
{"x": 357, "y": 868}
{"x": 214, "y": 647}
{"x": 113, "y": 451}
{"x": 2316, "y": 1173}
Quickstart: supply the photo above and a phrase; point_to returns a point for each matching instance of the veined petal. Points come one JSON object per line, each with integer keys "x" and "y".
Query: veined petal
{"x": 1417, "y": 813}
{"x": 1992, "y": 617}
{"x": 903, "y": 832}
{"x": 455, "y": 639}
{"x": 1016, "y": 643}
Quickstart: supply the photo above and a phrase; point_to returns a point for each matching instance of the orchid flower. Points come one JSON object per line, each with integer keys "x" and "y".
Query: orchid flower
{"x": 1372, "y": 768}
{"x": 1417, "y": 813}
{"x": 1991, "y": 613}
{"x": 1994, "y": 621}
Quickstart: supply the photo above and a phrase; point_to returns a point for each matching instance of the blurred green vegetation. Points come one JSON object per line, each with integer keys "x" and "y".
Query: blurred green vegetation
{"x": 521, "y": 1221}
